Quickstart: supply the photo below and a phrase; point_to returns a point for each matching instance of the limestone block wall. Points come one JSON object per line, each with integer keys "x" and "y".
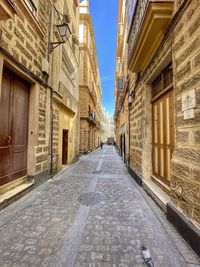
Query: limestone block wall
{"x": 181, "y": 46}
{"x": 84, "y": 102}
{"x": 185, "y": 173}
{"x": 55, "y": 142}
{"x": 84, "y": 136}
{"x": 42, "y": 147}
{"x": 24, "y": 37}
{"x": 77, "y": 133}
{"x": 137, "y": 129}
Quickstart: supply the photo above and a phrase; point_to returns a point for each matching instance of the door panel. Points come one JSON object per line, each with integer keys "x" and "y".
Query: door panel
{"x": 163, "y": 136}
{"x": 5, "y": 130}
{"x": 14, "y": 114}
{"x": 20, "y": 128}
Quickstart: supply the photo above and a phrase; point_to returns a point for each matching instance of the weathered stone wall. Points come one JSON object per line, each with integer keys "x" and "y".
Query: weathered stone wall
{"x": 24, "y": 37}
{"x": 137, "y": 129}
{"x": 182, "y": 47}
{"x": 77, "y": 134}
{"x": 84, "y": 131}
{"x": 178, "y": 3}
{"x": 42, "y": 148}
{"x": 122, "y": 124}
{"x": 55, "y": 142}
{"x": 185, "y": 173}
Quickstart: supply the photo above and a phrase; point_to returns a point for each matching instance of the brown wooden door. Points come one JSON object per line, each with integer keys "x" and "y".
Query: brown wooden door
{"x": 163, "y": 136}
{"x": 65, "y": 147}
{"x": 14, "y": 107}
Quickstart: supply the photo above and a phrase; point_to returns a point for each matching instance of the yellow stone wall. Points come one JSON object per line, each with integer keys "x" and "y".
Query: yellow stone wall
{"x": 66, "y": 122}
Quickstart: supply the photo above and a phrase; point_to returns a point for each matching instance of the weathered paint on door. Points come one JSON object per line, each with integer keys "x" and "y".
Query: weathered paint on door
{"x": 14, "y": 112}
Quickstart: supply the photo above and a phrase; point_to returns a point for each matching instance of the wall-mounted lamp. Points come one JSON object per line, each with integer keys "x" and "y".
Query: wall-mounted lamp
{"x": 64, "y": 33}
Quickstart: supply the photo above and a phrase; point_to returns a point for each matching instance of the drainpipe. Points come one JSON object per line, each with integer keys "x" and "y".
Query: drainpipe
{"x": 129, "y": 131}
{"x": 51, "y": 93}
{"x": 51, "y": 108}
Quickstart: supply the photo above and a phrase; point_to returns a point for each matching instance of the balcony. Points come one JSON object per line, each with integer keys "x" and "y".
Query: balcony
{"x": 149, "y": 23}
{"x": 93, "y": 92}
{"x": 92, "y": 118}
{"x": 121, "y": 89}
{"x": 120, "y": 39}
{"x": 7, "y": 9}
{"x": 93, "y": 62}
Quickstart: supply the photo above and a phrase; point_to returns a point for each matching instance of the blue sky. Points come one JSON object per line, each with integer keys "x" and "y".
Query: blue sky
{"x": 104, "y": 17}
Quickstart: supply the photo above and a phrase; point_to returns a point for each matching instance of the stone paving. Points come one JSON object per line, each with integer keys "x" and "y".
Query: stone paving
{"x": 90, "y": 215}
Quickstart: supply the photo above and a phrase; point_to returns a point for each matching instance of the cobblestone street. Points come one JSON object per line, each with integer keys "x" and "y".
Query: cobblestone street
{"x": 91, "y": 215}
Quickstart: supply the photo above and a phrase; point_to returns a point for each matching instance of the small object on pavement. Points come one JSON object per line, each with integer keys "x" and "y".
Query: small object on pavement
{"x": 147, "y": 256}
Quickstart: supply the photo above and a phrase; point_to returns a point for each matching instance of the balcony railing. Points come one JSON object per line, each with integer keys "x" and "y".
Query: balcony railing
{"x": 92, "y": 118}
{"x": 140, "y": 7}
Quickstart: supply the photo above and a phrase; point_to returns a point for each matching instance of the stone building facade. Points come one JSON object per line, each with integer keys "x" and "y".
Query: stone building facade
{"x": 105, "y": 125}
{"x": 121, "y": 84}
{"x": 164, "y": 106}
{"x": 89, "y": 84}
{"x": 64, "y": 81}
{"x": 38, "y": 100}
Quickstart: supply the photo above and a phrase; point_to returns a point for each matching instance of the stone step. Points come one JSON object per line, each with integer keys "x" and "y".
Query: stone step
{"x": 158, "y": 195}
{"x": 15, "y": 193}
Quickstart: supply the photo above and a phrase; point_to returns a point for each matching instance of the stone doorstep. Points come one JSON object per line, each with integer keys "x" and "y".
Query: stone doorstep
{"x": 158, "y": 195}
{"x": 17, "y": 191}
{"x": 9, "y": 186}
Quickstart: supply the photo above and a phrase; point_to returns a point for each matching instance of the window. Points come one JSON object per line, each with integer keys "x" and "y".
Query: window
{"x": 32, "y": 6}
{"x": 163, "y": 80}
{"x": 121, "y": 83}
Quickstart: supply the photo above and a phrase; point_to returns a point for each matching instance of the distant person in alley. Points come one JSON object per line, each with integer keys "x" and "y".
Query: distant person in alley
{"x": 101, "y": 144}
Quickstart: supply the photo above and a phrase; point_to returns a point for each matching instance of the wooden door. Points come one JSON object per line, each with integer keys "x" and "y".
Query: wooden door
{"x": 14, "y": 112}
{"x": 19, "y": 129}
{"x": 124, "y": 148}
{"x": 5, "y": 129}
{"x": 121, "y": 145}
{"x": 65, "y": 147}
{"x": 163, "y": 136}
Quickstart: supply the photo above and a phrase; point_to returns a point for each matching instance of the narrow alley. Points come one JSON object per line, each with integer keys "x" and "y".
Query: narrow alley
{"x": 91, "y": 214}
